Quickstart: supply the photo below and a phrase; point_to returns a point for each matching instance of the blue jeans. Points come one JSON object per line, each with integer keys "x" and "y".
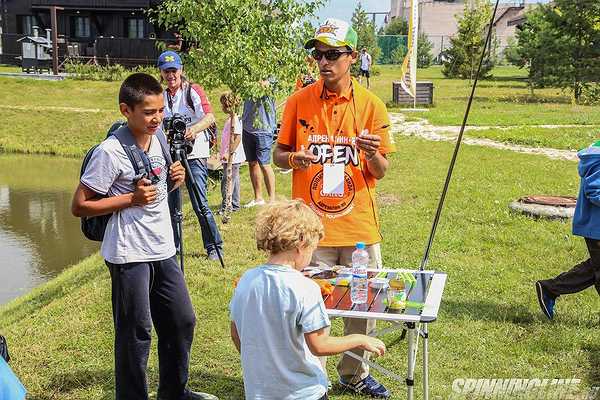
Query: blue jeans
{"x": 200, "y": 174}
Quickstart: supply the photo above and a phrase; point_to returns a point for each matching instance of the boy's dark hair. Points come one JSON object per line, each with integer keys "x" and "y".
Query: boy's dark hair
{"x": 136, "y": 87}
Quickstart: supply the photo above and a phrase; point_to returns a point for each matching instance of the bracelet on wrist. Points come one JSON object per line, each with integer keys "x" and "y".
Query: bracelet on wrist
{"x": 291, "y": 162}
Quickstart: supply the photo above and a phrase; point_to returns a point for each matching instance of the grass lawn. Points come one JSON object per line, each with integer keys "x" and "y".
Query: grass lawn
{"x": 503, "y": 100}
{"x": 87, "y": 109}
{"x": 490, "y": 324}
{"x": 559, "y": 138}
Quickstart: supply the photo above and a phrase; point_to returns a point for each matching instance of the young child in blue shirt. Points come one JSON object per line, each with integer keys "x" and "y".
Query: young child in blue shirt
{"x": 278, "y": 318}
{"x": 586, "y": 223}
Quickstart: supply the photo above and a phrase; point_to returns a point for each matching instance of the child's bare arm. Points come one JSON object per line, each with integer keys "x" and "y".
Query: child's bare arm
{"x": 87, "y": 203}
{"x": 237, "y": 138}
{"x": 321, "y": 344}
{"x": 235, "y": 337}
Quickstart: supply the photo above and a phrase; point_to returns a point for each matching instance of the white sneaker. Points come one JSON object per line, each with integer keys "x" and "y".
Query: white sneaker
{"x": 285, "y": 171}
{"x": 254, "y": 203}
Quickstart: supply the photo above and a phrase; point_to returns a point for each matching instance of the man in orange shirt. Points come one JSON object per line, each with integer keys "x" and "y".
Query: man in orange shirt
{"x": 334, "y": 135}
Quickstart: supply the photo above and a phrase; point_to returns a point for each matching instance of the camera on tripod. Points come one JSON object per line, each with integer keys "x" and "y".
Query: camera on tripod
{"x": 175, "y": 128}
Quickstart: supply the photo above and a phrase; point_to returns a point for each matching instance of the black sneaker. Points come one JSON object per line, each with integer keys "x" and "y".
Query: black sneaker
{"x": 196, "y": 396}
{"x": 546, "y": 302}
{"x": 201, "y": 396}
{"x": 368, "y": 386}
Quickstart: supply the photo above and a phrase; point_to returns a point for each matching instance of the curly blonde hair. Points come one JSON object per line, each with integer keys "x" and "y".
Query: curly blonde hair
{"x": 287, "y": 225}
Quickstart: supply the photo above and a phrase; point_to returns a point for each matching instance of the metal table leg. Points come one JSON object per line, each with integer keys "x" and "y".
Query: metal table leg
{"x": 410, "y": 375}
{"x": 425, "y": 362}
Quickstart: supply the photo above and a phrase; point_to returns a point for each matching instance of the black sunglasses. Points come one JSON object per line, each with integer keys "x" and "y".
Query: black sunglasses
{"x": 330, "y": 55}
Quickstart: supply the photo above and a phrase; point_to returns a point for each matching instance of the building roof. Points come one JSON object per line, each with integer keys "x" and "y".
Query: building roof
{"x": 504, "y": 11}
{"x": 36, "y": 39}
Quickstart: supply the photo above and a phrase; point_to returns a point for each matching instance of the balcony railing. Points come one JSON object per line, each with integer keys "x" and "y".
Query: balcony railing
{"x": 96, "y": 4}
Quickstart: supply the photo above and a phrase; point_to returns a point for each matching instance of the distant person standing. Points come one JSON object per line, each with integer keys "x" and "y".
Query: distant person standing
{"x": 365, "y": 66}
{"x": 190, "y": 101}
{"x": 259, "y": 124}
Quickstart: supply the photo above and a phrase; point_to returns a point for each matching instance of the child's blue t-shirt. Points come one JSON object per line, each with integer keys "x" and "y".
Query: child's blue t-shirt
{"x": 273, "y": 307}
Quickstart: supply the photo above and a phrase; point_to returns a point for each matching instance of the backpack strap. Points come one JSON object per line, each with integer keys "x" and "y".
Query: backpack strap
{"x": 134, "y": 153}
{"x": 188, "y": 96}
{"x": 162, "y": 139}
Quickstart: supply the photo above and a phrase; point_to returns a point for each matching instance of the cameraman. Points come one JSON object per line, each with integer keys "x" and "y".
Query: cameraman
{"x": 190, "y": 101}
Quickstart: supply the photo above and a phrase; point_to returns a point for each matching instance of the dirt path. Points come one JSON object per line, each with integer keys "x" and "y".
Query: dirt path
{"x": 425, "y": 130}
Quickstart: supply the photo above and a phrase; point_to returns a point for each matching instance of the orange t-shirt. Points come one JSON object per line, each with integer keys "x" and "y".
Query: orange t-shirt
{"x": 327, "y": 125}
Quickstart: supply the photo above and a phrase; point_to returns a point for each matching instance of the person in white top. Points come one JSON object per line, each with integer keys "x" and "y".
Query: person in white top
{"x": 148, "y": 286}
{"x": 365, "y": 66}
{"x": 190, "y": 101}
{"x": 233, "y": 126}
{"x": 278, "y": 318}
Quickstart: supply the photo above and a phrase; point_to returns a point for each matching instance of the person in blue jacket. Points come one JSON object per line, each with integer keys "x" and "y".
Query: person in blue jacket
{"x": 586, "y": 223}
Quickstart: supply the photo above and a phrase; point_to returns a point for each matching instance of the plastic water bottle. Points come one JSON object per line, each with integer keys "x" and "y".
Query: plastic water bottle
{"x": 359, "y": 290}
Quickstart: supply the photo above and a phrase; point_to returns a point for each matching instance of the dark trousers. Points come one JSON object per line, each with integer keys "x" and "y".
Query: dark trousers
{"x": 324, "y": 397}
{"x": 580, "y": 277}
{"x": 144, "y": 294}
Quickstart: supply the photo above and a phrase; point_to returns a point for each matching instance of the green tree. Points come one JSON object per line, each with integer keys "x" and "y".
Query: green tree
{"x": 240, "y": 43}
{"x": 424, "y": 56}
{"x": 462, "y": 58}
{"x": 398, "y": 54}
{"x": 398, "y": 26}
{"x": 365, "y": 31}
{"x": 560, "y": 45}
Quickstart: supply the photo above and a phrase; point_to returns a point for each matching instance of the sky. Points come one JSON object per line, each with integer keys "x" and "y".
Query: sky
{"x": 343, "y": 9}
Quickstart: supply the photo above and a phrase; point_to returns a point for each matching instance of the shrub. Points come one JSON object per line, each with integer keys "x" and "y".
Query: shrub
{"x": 110, "y": 73}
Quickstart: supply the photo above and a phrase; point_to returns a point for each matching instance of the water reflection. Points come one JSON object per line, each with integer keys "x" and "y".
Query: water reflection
{"x": 38, "y": 235}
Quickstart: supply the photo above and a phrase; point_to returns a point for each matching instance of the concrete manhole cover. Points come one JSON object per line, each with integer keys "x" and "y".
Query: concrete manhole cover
{"x": 545, "y": 206}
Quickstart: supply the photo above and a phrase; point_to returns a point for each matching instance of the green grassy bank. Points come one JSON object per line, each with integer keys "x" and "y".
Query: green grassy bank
{"x": 490, "y": 325}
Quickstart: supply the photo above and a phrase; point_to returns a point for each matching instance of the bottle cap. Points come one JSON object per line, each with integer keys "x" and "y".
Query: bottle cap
{"x": 360, "y": 245}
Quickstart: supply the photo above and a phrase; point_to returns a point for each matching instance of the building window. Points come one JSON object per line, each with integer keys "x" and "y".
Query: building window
{"x": 26, "y": 24}
{"x": 135, "y": 28}
{"x": 80, "y": 27}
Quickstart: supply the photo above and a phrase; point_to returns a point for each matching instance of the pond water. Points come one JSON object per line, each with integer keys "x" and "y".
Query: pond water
{"x": 39, "y": 237}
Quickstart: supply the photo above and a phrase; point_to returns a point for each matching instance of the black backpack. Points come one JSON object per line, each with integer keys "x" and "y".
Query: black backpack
{"x": 94, "y": 227}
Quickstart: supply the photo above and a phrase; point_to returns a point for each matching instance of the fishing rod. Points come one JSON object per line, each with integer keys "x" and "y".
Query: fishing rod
{"x": 438, "y": 213}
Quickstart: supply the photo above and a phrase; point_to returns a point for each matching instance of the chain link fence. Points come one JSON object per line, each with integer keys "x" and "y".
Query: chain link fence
{"x": 394, "y": 47}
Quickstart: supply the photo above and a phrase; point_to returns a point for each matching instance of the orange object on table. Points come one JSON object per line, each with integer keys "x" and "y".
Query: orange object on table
{"x": 325, "y": 285}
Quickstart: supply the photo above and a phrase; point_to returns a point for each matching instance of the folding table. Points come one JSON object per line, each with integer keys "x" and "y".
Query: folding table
{"x": 427, "y": 290}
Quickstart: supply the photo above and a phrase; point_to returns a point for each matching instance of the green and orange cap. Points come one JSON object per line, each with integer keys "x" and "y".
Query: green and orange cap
{"x": 335, "y": 33}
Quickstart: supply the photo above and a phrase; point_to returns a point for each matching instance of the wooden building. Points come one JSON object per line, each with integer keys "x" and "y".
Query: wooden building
{"x": 111, "y": 30}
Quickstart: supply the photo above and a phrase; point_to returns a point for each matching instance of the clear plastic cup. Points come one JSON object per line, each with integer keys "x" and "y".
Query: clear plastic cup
{"x": 396, "y": 298}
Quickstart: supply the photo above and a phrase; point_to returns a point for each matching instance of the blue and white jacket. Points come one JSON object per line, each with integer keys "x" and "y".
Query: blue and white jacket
{"x": 586, "y": 221}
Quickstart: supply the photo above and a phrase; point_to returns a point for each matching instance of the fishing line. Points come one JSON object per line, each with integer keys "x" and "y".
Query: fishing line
{"x": 458, "y": 143}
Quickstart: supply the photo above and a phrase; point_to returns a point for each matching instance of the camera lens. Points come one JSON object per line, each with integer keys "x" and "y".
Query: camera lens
{"x": 179, "y": 125}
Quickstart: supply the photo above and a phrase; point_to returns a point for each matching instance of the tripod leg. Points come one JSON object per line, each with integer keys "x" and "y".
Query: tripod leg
{"x": 179, "y": 216}
{"x": 175, "y": 205}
